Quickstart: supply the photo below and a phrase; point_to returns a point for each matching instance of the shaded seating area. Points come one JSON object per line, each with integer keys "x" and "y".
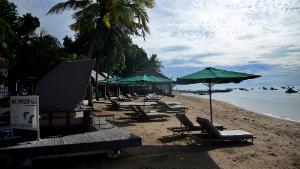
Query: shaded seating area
{"x": 214, "y": 135}
{"x": 186, "y": 125}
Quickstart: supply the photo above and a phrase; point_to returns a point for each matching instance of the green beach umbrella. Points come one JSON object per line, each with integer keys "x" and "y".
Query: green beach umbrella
{"x": 211, "y": 76}
{"x": 161, "y": 80}
{"x": 146, "y": 79}
{"x": 143, "y": 79}
{"x": 113, "y": 79}
{"x": 140, "y": 78}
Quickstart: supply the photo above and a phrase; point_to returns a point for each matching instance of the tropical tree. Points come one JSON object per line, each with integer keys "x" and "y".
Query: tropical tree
{"x": 8, "y": 16}
{"x": 37, "y": 56}
{"x": 103, "y": 19}
{"x": 154, "y": 64}
{"x": 106, "y": 24}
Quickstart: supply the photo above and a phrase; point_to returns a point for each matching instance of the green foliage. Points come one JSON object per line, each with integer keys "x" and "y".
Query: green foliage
{"x": 38, "y": 56}
{"x": 6, "y": 33}
{"x": 136, "y": 59}
{"x": 154, "y": 63}
{"x": 26, "y": 25}
{"x": 8, "y": 12}
{"x": 103, "y": 28}
{"x": 29, "y": 54}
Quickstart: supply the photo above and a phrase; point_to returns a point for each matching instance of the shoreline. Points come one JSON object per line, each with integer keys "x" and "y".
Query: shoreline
{"x": 276, "y": 144}
{"x": 233, "y": 104}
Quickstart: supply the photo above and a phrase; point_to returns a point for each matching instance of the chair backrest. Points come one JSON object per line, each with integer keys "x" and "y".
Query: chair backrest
{"x": 185, "y": 120}
{"x": 134, "y": 109}
{"x": 141, "y": 110}
{"x": 210, "y": 128}
{"x": 115, "y": 104}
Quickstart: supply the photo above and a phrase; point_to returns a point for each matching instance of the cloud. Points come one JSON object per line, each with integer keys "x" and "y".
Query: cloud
{"x": 255, "y": 35}
{"x": 173, "y": 48}
{"x": 55, "y": 24}
{"x": 250, "y": 35}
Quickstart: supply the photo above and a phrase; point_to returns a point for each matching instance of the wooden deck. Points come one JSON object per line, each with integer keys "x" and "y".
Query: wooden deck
{"x": 89, "y": 142}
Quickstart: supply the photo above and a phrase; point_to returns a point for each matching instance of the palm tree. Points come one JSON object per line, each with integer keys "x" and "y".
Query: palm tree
{"x": 107, "y": 23}
{"x": 97, "y": 17}
{"x": 154, "y": 64}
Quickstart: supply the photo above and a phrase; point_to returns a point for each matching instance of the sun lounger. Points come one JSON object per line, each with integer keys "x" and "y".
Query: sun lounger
{"x": 123, "y": 98}
{"x": 134, "y": 94}
{"x": 187, "y": 125}
{"x": 213, "y": 134}
{"x": 130, "y": 96}
{"x": 149, "y": 115}
{"x": 125, "y": 105}
{"x": 173, "y": 107}
{"x": 151, "y": 98}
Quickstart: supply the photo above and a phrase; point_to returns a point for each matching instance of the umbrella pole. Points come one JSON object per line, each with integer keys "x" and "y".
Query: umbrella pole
{"x": 144, "y": 94}
{"x": 210, "y": 105}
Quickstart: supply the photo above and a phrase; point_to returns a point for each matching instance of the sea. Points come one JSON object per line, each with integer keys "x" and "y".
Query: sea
{"x": 274, "y": 103}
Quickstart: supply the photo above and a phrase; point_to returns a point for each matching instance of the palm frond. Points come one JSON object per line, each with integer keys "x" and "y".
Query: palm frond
{"x": 70, "y": 4}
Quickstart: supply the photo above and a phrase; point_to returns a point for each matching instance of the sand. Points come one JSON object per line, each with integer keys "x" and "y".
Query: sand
{"x": 277, "y": 144}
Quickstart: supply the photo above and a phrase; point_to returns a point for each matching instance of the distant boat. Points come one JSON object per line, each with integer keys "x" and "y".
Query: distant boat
{"x": 283, "y": 87}
{"x": 291, "y": 90}
{"x": 272, "y": 88}
{"x": 264, "y": 88}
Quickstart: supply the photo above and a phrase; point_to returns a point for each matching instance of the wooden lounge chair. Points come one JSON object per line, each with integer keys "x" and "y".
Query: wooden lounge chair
{"x": 149, "y": 115}
{"x": 151, "y": 98}
{"x": 123, "y": 98}
{"x": 130, "y": 96}
{"x": 173, "y": 107}
{"x": 187, "y": 125}
{"x": 213, "y": 134}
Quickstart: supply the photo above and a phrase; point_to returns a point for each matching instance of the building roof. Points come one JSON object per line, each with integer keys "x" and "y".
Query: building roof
{"x": 63, "y": 89}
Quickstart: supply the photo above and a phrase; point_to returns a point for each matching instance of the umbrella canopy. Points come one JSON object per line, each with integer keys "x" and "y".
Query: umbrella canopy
{"x": 215, "y": 76}
{"x": 210, "y": 76}
{"x": 143, "y": 79}
{"x": 113, "y": 79}
{"x": 146, "y": 79}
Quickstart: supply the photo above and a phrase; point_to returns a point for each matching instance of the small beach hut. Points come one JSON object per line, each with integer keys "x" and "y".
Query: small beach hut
{"x": 62, "y": 92}
{"x": 211, "y": 76}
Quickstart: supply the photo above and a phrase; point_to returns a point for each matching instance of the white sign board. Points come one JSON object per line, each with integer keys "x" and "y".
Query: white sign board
{"x": 24, "y": 112}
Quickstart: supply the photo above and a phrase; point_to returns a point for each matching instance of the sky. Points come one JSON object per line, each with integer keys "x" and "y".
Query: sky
{"x": 252, "y": 36}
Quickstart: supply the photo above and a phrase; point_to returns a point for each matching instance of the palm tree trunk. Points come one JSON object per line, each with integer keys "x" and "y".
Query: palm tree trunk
{"x": 97, "y": 93}
{"x": 90, "y": 87}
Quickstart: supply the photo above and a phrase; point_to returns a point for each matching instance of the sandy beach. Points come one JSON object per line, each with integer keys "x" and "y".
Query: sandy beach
{"x": 276, "y": 145}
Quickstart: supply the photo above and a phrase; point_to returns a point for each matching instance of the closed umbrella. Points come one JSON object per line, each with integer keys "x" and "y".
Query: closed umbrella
{"x": 211, "y": 76}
